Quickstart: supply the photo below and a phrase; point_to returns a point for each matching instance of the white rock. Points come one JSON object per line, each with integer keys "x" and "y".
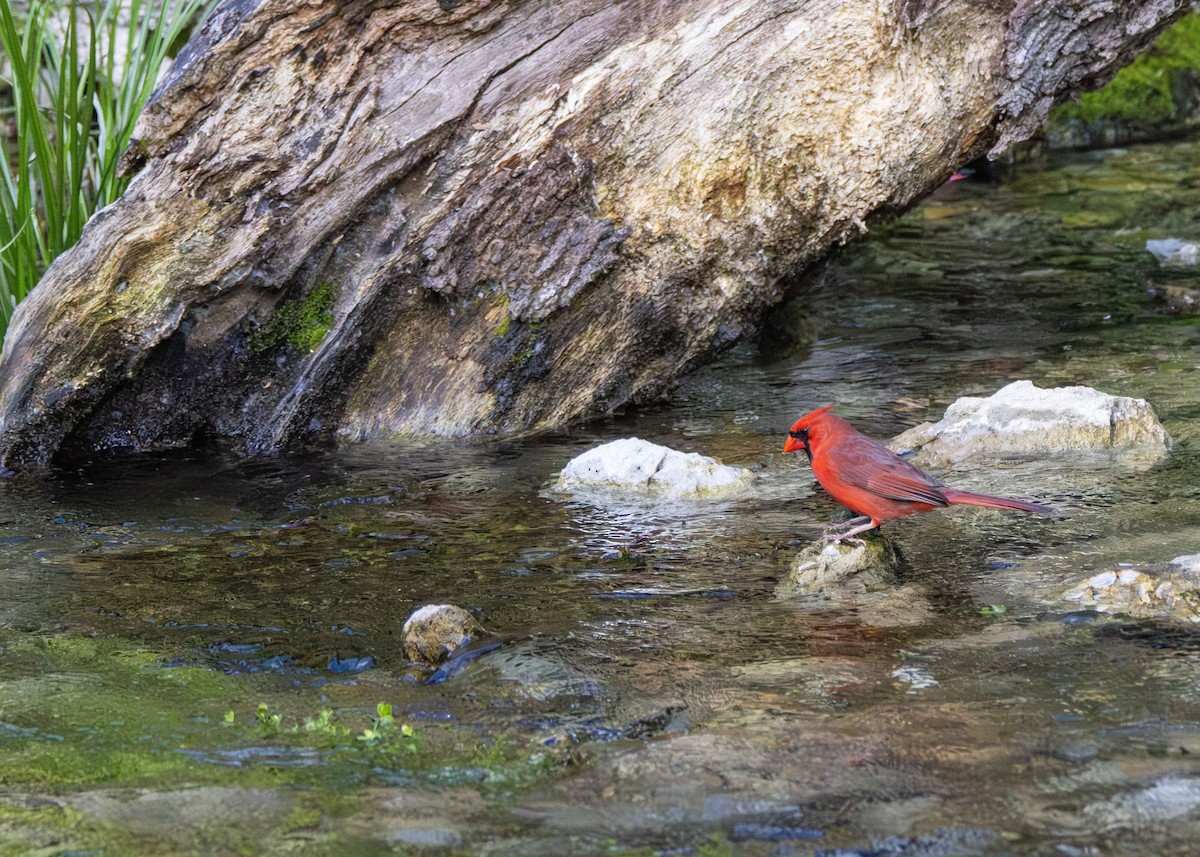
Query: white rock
{"x": 1028, "y": 422}
{"x": 1174, "y": 252}
{"x": 1189, "y": 564}
{"x": 638, "y": 467}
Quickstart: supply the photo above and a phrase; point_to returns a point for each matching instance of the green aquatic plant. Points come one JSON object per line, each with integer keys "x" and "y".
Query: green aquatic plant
{"x": 270, "y": 722}
{"x": 78, "y": 75}
{"x": 325, "y": 724}
{"x": 383, "y": 731}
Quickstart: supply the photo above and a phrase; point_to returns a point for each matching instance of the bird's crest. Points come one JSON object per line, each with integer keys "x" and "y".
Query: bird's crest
{"x": 812, "y": 415}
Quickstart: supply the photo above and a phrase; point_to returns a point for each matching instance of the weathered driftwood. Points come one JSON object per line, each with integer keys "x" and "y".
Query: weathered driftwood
{"x": 522, "y": 213}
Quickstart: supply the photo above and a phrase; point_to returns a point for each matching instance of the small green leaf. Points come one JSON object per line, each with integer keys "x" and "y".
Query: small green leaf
{"x": 264, "y": 716}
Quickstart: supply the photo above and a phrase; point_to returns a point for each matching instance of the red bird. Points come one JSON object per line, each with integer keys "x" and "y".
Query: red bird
{"x": 871, "y": 480}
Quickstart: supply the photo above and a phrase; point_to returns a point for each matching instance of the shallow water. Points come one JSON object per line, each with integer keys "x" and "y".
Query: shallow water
{"x": 650, "y": 694}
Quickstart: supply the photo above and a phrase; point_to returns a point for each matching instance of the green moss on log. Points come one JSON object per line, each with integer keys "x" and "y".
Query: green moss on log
{"x": 302, "y": 323}
{"x": 1147, "y": 91}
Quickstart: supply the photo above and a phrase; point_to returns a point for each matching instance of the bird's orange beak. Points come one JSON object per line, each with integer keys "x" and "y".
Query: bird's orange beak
{"x": 796, "y": 439}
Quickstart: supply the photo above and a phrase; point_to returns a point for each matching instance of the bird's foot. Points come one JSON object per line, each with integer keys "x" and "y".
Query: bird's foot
{"x": 847, "y": 530}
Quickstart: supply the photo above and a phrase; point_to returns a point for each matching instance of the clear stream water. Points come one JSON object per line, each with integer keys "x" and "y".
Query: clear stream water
{"x": 649, "y": 694}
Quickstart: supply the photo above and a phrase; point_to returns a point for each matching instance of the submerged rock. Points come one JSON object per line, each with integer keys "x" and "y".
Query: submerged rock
{"x": 1179, "y": 299}
{"x": 632, "y": 466}
{"x": 422, "y": 837}
{"x": 1171, "y": 797}
{"x": 1154, "y": 592}
{"x": 1025, "y": 421}
{"x": 179, "y": 815}
{"x": 436, "y": 631}
{"x": 816, "y": 681}
{"x": 827, "y": 565}
{"x": 1173, "y": 252}
{"x": 537, "y": 671}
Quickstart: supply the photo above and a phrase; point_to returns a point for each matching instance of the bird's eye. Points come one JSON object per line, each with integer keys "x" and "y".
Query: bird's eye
{"x": 798, "y": 435}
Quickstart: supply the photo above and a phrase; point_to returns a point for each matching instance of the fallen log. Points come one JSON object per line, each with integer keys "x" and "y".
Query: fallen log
{"x": 353, "y": 218}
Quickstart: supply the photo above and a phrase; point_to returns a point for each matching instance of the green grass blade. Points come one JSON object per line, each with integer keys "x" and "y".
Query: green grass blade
{"x": 77, "y": 90}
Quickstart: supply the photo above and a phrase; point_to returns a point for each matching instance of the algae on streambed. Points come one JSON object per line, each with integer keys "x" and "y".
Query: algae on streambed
{"x": 116, "y": 725}
{"x": 649, "y": 694}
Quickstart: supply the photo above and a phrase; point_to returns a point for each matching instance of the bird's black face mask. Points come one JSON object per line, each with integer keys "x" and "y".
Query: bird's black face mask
{"x": 802, "y": 436}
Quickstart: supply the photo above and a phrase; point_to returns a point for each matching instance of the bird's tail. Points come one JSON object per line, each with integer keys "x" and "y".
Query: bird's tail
{"x": 966, "y": 498}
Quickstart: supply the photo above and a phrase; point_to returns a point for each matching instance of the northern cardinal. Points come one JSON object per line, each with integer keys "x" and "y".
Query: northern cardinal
{"x": 871, "y": 480}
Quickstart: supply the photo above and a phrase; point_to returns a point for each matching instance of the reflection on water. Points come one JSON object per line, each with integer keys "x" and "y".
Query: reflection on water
{"x": 967, "y": 711}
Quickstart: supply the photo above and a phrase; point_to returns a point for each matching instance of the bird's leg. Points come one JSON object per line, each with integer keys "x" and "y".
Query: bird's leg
{"x": 853, "y": 522}
{"x": 842, "y": 538}
{"x": 857, "y": 525}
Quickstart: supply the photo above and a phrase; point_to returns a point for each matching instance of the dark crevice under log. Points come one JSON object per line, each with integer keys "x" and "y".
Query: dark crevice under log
{"x": 530, "y": 212}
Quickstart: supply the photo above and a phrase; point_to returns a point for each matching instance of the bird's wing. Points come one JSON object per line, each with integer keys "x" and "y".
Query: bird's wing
{"x": 870, "y": 465}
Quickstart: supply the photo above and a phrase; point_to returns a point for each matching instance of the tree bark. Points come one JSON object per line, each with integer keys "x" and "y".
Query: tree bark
{"x": 523, "y": 212}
